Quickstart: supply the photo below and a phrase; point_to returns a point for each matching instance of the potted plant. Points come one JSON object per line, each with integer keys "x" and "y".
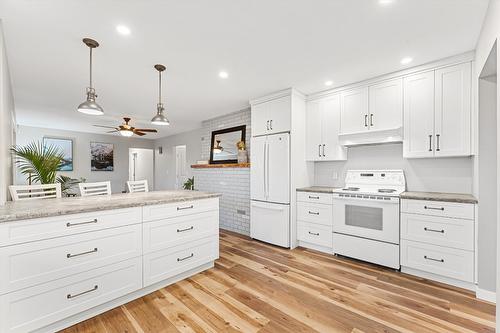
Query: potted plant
{"x": 189, "y": 184}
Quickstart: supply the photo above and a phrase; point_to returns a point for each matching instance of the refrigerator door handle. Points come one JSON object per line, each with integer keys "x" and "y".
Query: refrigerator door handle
{"x": 255, "y": 204}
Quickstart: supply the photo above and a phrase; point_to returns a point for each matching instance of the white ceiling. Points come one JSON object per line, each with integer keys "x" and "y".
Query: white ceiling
{"x": 264, "y": 45}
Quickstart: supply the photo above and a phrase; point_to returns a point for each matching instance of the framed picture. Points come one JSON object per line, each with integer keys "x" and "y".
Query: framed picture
{"x": 224, "y": 147}
{"x": 101, "y": 156}
{"x": 64, "y": 145}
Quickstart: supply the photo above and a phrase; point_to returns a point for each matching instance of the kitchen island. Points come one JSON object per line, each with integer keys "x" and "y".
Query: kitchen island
{"x": 66, "y": 260}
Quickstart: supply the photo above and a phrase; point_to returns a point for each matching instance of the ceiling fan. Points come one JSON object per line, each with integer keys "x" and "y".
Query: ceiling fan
{"x": 127, "y": 130}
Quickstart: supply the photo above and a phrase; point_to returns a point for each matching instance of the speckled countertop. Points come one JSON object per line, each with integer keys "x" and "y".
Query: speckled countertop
{"x": 22, "y": 210}
{"x": 318, "y": 189}
{"x": 438, "y": 196}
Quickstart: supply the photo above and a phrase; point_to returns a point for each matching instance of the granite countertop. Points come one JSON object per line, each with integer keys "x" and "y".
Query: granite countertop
{"x": 438, "y": 196}
{"x": 21, "y": 210}
{"x": 318, "y": 189}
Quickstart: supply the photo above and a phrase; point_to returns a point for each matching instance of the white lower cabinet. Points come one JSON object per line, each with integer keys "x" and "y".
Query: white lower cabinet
{"x": 315, "y": 234}
{"x": 315, "y": 220}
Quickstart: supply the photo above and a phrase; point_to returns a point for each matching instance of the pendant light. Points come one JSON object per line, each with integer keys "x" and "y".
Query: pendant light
{"x": 159, "y": 118}
{"x": 90, "y": 106}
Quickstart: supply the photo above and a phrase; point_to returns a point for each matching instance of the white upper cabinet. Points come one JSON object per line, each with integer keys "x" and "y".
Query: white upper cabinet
{"x": 453, "y": 110}
{"x": 273, "y": 116}
{"x": 259, "y": 119}
{"x": 354, "y": 111}
{"x": 322, "y": 128}
{"x": 386, "y": 105}
{"x": 437, "y": 113}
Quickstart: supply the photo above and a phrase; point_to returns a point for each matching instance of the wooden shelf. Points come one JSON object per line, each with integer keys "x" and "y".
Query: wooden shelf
{"x": 213, "y": 166}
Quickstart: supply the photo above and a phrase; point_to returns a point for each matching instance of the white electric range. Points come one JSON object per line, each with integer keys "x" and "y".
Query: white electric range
{"x": 366, "y": 216}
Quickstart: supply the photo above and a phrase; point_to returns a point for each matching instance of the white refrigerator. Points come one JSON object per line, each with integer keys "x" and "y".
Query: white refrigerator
{"x": 270, "y": 189}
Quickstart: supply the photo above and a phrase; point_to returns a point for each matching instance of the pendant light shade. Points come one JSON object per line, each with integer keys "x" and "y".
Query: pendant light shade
{"x": 160, "y": 118}
{"x": 90, "y": 106}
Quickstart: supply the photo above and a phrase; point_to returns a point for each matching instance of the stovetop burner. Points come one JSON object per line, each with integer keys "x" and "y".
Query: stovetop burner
{"x": 351, "y": 189}
{"x": 386, "y": 190}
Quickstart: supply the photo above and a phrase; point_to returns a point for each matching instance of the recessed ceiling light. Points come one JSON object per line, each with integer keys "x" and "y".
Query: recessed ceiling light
{"x": 406, "y": 60}
{"x": 123, "y": 30}
{"x": 328, "y": 83}
{"x": 385, "y": 2}
{"x": 223, "y": 75}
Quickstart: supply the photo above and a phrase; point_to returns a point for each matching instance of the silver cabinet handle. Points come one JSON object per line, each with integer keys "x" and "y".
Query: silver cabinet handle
{"x": 313, "y": 213}
{"x": 430, "y": 142}
{"x": 189, "y": 256}
{"x": 80, "y": 223}
{"x": 437, "y": 142}
{"x": 184, "y": 208}
{"x": 434, "y": 230}
{"x": 69, "y": 255}
{"x": 314, "y": 233}
{"x": 371, "y": 119}
{"x": 268, "y": 125}
{"x": 69, "y": 296}
{"x": 434, "y": 208}
{"x": 313, "y": 197}
{"x": 324, "y": 150}
{"x": 271, "y": 124}
{"x": 319, "y": 150}
{"x": 187, "y": 229}
{"x": 366, "y": 120}
{"x": 429, "y": 258}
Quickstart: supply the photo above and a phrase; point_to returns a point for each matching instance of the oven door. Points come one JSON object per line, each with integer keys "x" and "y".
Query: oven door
{"x": 372, "y": 219}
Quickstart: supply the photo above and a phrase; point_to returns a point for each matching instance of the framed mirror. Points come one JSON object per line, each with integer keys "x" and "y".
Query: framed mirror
{"x": 223, "y": 144}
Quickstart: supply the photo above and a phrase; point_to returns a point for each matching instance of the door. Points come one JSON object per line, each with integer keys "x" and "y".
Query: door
{"x": 270, "y": 223}
{"x": 419, "y": 115}
{"x": 258, "y": 181}
{"x": 141, "y": 165}
{"x": 278, "y": 168}
{"x": 313, "y": 131}
{"x": 330, "y": 128}
{"x": 259, "y": 119}
{"x": 180, "y": 166}
{"x": 453, "y": 111}
{"x": 386, "y": 105}
{"x": 354, "y": 111}
{"x": 279, "y": 114}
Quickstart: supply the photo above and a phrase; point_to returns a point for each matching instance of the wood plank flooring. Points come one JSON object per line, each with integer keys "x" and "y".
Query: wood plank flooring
{"x": 256, "y": 287}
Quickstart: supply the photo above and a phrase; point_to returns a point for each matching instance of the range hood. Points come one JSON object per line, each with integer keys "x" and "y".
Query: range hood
{"x": 372, "y": 137}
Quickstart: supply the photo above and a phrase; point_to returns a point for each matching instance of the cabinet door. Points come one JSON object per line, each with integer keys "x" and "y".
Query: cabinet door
{"x": 354, "y": 111}
{"x": 259, "y": 119}
{"x": 330, "y": 128}
{"x": 419, "y": 115}
{"x": 386, "y": 105}
{"x": 313, "y": 131}
{"x": 279, "y": 114}
{"x": 453, "y": 111}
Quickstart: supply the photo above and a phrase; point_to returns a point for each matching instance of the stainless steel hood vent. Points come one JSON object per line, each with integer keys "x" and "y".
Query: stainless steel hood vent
{"x": 372, "y": 137}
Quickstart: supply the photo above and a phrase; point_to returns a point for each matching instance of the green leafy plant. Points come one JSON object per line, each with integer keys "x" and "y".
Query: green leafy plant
{"x": 189, "y": 184}
{"x": 37, "y": 162}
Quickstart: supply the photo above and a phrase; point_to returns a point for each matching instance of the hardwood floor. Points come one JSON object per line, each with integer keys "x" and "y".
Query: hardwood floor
{"x": 256, "y": 287}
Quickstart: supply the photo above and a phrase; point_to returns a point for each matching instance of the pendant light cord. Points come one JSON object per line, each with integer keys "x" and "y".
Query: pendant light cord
{"x": 90, "y": 67}
{"x": 159, "y": 87}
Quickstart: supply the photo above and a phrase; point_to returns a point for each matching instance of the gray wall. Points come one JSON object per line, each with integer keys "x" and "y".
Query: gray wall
{"x": 437, "y": 174}
{"x": 81, "y": 154}
{"x": 165, "y": 162}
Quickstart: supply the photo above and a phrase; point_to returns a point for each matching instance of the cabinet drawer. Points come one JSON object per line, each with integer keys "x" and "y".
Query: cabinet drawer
{"x": 442, "y": 231}
{"x": 452, "y": 263}
{"x": 17, "y": 232}
{"x": 163, "y": 264}
{"x": 25, "y": 265}
{"x": 165, "y": 233}
{"x": 29, "y": 309}
{"x": 158, "y": 212}
{"x": 315, "y": 213}
{"x": 438, "y": 208}
{"x": 315, "y": 234}
{"x": 312, "y": 197}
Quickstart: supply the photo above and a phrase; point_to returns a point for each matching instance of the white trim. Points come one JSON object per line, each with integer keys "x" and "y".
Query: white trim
{"x": 439, "y": 278}
{"x": 486, "y": 295}
{"x": 307, "y": 245}
{"x": 276, "y": 95}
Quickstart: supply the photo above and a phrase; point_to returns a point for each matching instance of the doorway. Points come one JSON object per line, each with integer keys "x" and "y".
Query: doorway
{"x": 141, "y": 165}
{"x": 180, "y": 166}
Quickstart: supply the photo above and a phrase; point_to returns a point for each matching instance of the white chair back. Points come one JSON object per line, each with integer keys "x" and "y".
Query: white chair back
{"x": 35, "y": 192}
{"x": 92, "y": 189}
{"x": 134, "y": 186}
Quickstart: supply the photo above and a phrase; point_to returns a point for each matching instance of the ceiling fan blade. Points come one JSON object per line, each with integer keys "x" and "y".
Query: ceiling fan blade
{"x": 139, "y": 133}
{"x": 113, "y": 131}
{"x": 103, "y": 126}
{"x": 146, "y": 130}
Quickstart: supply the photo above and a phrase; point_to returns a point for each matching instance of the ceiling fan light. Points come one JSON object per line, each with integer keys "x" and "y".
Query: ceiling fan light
{"x": 126, "y": 133}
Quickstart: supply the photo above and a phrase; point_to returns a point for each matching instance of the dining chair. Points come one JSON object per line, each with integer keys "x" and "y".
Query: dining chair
{"x": 134, "y": 186}
{"x": 34, "y": 192}
{"x": 93, "y": 189}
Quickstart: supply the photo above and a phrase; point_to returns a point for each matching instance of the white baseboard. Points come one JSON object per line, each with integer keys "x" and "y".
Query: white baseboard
{"x": 486, "y": 295}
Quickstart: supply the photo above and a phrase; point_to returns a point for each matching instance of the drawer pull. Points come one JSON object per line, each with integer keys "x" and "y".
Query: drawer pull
{"x": 429, "y": 258}
{"x": 434, "y": 208}
{"x": 69, "y": 296}
{"x": 434, "y": 230}
{"x": 69, "y": 255}
{"x": 313, "y": 197}
{"x": 314, "y": 233}
{"x": 189, "y": 256}
{"x": 80, "y": 223}
{"x": 313, "y": 213}
{"x": 187, "y": 229}
{"x": 183, "y": 208}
